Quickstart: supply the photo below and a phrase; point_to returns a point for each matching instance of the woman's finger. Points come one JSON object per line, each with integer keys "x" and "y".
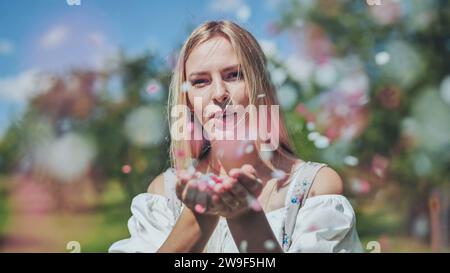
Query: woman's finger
{"x": 249, "y": 181}
{"x": 201, "y": 200}
{"x": 217, "y": 204}
{"x": 248, "y": 169}
{"x": 179, "y": 188}
{"x": 239, "y": 192}
{"x": 227, "y": 197}
{"x": 190, "y": 194}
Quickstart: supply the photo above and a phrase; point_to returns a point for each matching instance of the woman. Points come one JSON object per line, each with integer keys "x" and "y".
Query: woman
{"x": 260, "y": 201}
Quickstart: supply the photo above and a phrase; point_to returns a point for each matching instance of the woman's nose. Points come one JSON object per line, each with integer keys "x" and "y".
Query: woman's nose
{"x": 220, "y": 92}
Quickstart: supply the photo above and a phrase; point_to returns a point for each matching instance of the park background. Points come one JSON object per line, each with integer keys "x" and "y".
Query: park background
{"x": 364, "y": 85}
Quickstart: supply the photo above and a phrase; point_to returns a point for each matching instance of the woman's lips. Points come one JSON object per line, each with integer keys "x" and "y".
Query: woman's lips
{"x": 225, "y": 118}
{"x": 220, "y": 114}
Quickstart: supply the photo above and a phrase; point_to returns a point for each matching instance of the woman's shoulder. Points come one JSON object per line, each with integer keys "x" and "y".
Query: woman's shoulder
{"x": 157, "y": 185}
{"x": 326, "y": 182}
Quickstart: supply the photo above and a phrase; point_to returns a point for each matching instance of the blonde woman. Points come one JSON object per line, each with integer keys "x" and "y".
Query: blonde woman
{"x": 258, "y": 195}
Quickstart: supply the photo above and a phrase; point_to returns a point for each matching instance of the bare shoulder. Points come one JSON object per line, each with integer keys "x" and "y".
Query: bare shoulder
{"x": 157, "y": 185}
{"x": 327, "y": 181}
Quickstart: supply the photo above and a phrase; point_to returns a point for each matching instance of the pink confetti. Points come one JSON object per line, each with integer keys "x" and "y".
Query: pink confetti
{"x": 312, "y": 228}
{"x": 126, "y": 169}
{"x": 301, "y": 109}
{"x": 190, "y": 127}
{"x": 380, "y": 165}
{"x": 200, "y": 208}
{"x": 153, "y": 88}
{"x": 216, "y": 179}
{"x": 180, "y": 153}
{"x": 202, "y": 185}
{"x": 255, "y": 205}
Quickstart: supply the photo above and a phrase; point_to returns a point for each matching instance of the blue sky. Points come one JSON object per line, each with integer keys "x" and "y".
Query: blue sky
{"x": 51, "y": 35}
{"x": 133, "y": 24}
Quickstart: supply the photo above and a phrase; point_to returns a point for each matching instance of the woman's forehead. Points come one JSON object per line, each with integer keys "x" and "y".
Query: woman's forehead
{"x": 213, "y": 54}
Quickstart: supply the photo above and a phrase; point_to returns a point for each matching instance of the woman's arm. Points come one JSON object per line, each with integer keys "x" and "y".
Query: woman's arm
{"x": 253, "y": 227}
{"x": 191, "y": 231}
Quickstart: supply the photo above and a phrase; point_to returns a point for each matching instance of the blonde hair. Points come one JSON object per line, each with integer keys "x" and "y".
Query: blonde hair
{"x": 253, "y": 63}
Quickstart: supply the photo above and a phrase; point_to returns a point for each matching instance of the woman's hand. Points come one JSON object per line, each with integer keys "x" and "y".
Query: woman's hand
{"x": 227, "y": 196}
{"x": 238, "y": 192}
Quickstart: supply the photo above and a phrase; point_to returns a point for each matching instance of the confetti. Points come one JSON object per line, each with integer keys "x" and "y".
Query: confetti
{"x": 311, "y": 126}
{"x": 220, "y": 153}
{"x": 360, "y": 186}
{"x": 60, "y": 166}
{"x": 202, "y": 184}
{"x": 266, "y": 155}
{"x": 126, "y": 169}
{"x": 313, "y": 136}
{"x": 445, "y": 89}
{"x": 287, "y": 96}
{"x": 190, "y": 127}
{"x": 180, "y": 153}
{"x": 216, "y": 179}
{"x": 278, "y": 174}
{"x": 186, "y": 86}
{"x": 153, "y": 88}
{"x": 211, "y": 184}
{"x": 200, "y": 208}
{"x": 322, "y": 142}
{"x": 269, "y": 245}
{"x": 379, "y": 165}
{"x": 249, "y": 149}
{"x": 254, "y": 203}
{"x": 382, "y": 58}
{"x": 312, "y": 228}
{"x": 190, "y": 170}
{"x": 140, "y": 126}
{"x": 351, "y": 160}
{"x": 243, "y": 13}
{"x": 243, "y": 246}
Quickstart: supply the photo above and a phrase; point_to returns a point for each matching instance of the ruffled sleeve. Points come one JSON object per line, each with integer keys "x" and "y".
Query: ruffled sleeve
{"x": 149, "y": 226}
{"x": 326, "y": 223}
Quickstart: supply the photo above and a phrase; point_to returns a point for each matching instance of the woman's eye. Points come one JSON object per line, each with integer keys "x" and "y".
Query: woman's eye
{"x": 234, "y": 75}
{"x": 199, "y": 82}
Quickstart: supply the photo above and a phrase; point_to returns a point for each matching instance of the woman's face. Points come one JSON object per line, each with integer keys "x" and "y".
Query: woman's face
{"x": 212, "y": 69}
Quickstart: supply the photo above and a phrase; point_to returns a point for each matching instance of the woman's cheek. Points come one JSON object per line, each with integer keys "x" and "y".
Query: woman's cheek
{"x": 239, "y": 93}
{"x": 198, "y": 103}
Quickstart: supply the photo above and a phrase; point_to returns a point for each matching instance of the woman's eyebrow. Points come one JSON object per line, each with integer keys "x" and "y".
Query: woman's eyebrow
{"x": 231, "y": 67}
{"x": 199, "y": 73}
{"x": 228, "y": 68}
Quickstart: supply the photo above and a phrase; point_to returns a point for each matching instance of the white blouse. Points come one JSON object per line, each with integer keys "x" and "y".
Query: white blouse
{"x": 325, "y": 223}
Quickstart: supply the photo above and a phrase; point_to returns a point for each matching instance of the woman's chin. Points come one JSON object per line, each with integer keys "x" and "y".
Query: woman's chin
{"x": 233, "y": 153}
